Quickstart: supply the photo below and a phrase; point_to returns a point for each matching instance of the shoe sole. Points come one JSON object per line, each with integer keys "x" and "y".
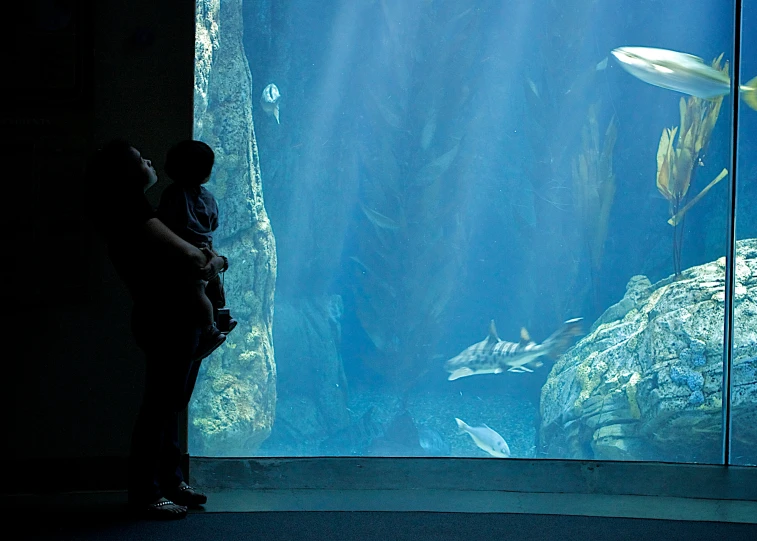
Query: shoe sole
{"x": 200, "y": 356}
{"x": 232, "y": 326}
{"x": 190, "y": 504}
{"x": 156, "y": 513}
{"x": 163, "y": 514}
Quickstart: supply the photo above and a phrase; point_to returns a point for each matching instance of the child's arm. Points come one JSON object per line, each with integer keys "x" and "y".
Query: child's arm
{"x": 200, "y": 265}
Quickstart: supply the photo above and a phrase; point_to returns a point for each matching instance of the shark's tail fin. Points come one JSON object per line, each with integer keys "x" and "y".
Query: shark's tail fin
{"x": 749, "y": 93}
{"x": 560, "y": 340}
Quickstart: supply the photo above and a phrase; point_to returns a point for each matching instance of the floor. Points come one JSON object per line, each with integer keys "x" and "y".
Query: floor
{"x": 416, "y": 515}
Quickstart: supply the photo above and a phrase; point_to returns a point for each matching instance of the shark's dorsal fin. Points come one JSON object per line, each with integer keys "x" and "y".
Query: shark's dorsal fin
{"x": 525, "y": 338}
{"x": 492, "y": 338}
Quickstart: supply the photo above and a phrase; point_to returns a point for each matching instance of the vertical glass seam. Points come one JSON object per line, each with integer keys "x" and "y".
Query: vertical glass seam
{"x": 731, "y": 242}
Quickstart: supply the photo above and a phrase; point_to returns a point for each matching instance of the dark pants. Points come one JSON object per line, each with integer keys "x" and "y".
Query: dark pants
{"x": 168, "y": 341}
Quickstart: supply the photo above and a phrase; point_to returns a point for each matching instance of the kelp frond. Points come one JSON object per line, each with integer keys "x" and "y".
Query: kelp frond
{"x": 677, "y": 156}
{"x": 594, "y": 190}
{"x": 665, "y": 160}
{"x": 594, "y": 184}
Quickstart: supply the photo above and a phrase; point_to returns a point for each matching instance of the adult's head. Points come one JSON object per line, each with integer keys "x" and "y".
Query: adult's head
{"x": 190, "y": 162}
{"x": 119, "y": 168}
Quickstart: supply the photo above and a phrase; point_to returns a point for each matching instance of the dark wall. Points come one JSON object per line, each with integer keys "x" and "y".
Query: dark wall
{"x": 80, "y": 73}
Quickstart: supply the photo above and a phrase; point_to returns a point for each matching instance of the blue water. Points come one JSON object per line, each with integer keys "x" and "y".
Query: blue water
{"x": 374, "y": 92}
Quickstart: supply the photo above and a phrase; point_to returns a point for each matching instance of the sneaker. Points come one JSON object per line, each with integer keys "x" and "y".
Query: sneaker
{"x": 209, "y": 341}
{"x": 230, "y": 324}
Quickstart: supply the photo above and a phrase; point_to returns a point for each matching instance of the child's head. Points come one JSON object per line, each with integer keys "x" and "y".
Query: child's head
{"x": 189, "y": 163}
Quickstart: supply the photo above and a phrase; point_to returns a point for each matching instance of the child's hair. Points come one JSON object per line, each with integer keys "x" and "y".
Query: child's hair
{"x": 189, "y": 162}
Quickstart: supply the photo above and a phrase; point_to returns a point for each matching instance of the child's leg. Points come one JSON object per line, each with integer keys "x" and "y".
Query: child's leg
{"x": 215, "y": 293}
{"x": 210, "y": 337}
{"x": 204, "y": 304}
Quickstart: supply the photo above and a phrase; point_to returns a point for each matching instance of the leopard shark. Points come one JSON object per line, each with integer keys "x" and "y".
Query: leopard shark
{"x": 494, "y": 356}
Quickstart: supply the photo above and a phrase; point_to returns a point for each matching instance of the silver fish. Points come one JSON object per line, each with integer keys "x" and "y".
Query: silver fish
{"x": 486, "y": 439}
{"x": 378, "y": 219}
{"x": 533, "y": 87}
{"x": 494, "y": 356}
{"x": 270, "y": 101}
{"x": 681, "y": 72}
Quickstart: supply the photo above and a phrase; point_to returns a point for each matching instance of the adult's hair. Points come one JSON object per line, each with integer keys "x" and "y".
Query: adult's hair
{"x": 114, "y": 184}
{"x": 114, "y": 169}
{"x": 189, "y": 162}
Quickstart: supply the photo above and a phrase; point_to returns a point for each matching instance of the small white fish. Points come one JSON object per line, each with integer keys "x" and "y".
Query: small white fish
{"x": 486, "y": 439}
{"x": 427, "y": 135}
{"x": 270, "y": 101}
{"x": 378, "y": 219}
{"x": 602, "y": 65}
{"x": 532, "y": 86}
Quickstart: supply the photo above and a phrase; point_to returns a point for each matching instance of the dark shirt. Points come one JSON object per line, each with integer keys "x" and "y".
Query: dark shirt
{"x": 129, "y": 249}
{"x": 190, "y": 212}
{"x": 165, "y": 315}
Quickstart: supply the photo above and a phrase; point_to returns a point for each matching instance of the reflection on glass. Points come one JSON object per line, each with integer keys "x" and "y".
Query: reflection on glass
{"x": 499, "y": 228}
{"x": 744, "y": 373}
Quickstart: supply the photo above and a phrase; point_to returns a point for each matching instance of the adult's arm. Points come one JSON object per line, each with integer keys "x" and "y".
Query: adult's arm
{"x": 177, "y": 248}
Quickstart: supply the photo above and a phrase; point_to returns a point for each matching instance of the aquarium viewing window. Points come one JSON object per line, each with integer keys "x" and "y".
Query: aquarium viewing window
{"x": 489, "y": 229}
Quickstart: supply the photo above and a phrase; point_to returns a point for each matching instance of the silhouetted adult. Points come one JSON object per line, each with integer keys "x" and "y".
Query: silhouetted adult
{"x": 149, "y": 258}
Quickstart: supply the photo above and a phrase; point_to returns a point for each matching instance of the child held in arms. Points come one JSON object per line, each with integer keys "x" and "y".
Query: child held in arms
{"x": 190, "y": 210}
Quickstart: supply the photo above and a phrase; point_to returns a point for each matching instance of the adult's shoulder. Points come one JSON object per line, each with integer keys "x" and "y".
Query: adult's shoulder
{"x": 123, "y": 212}
{"x": 173, "y": 199}
{"x": 171, "y": 191}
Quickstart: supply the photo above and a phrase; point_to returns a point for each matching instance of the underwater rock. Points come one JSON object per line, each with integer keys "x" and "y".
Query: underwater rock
{"x": 232, "y": 408}
{"x": 400, "y": 438}
{"x": 432, "y": 442}
{"x": 637, "y": 290}
{"x": 312, "y": 396}
{"x": 355, "y": 438}
{"x": 645, "y": 383}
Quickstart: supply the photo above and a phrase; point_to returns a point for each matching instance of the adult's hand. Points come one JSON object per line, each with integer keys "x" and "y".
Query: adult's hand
{"x": 188, "y": 258}
{"x": 214, "y": 265}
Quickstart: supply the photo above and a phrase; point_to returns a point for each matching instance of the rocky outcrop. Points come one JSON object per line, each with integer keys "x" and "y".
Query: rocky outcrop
{"x": 233, "y": 406}
{"x": 312, "y": 387}
{"x": 645, "y": 383}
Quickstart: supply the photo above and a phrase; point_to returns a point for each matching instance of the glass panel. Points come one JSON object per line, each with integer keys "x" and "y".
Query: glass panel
{"x": 744, "y": 373}
{"x": 489, "y": 227}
